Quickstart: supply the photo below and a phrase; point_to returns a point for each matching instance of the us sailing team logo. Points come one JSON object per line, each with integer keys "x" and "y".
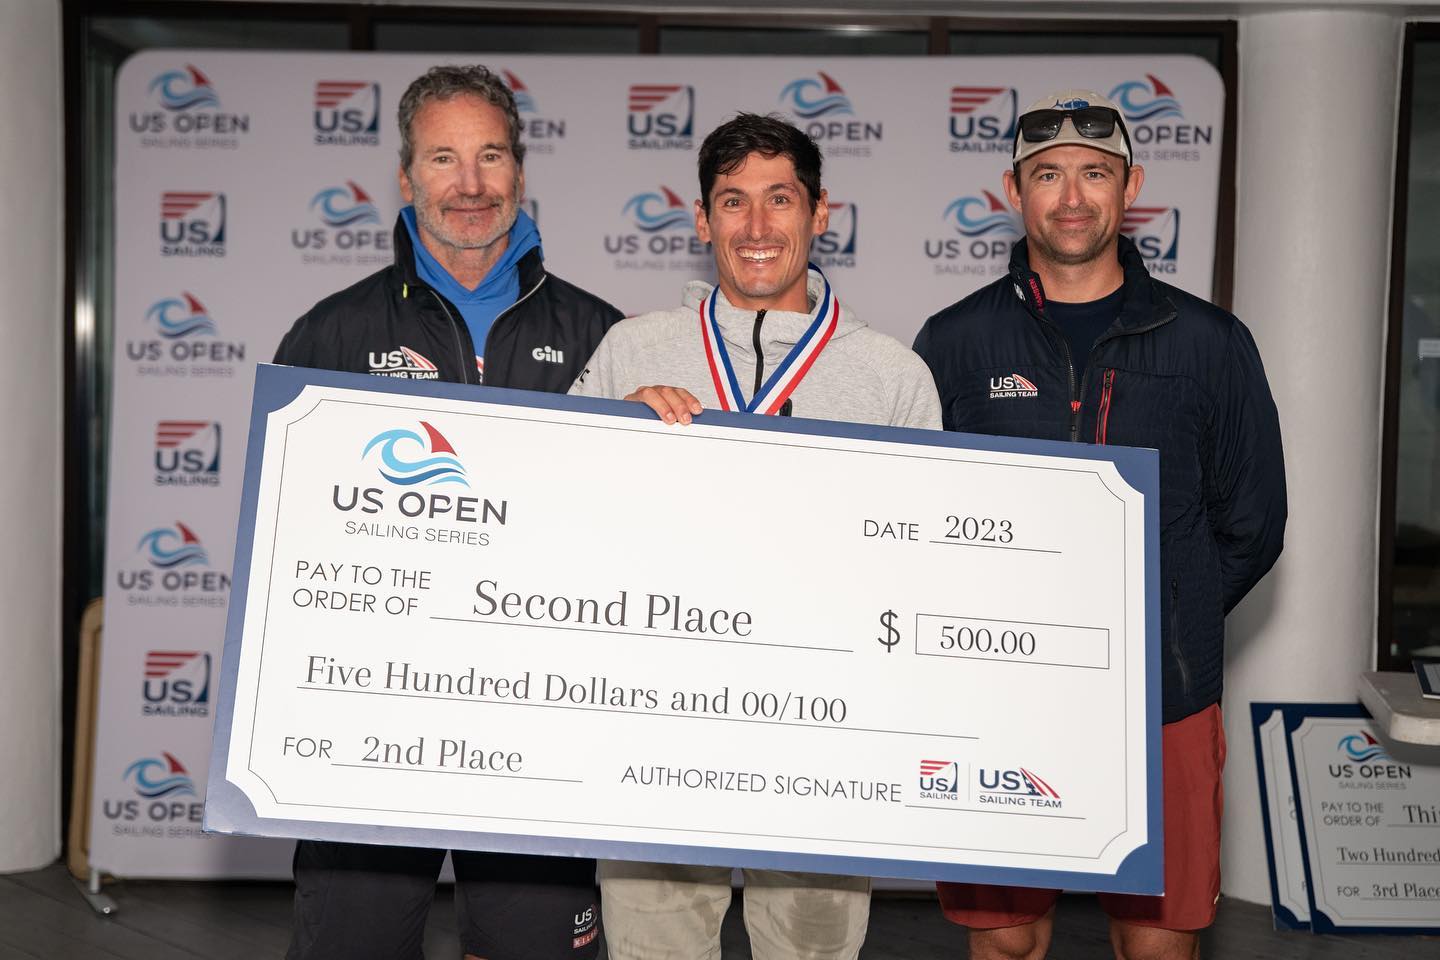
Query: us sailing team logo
{"x": 982, "y": 119}
{"x": 177, "y": 683}
{"x": 153, "y": 778}
{"x": 188, "y": 113}
{"x": 661, "y": 116}
{"x": 347, "y": 113}
{"x": 1017, "y": 787}
{"x": 1157, "y": 123}
{"x": 404, "y": 363}
{"x": 1156, "y": 232}
{"x": 192, "y": 223}
{"x": 1012, "y": 387}
{"x": 437, "y": 462}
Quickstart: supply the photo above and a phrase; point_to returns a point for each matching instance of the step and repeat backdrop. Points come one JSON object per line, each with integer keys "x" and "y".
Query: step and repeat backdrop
{"x": 250, "y": 185}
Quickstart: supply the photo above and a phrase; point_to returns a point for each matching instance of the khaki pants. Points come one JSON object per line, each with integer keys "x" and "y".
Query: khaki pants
{"x": 656, "y": 911}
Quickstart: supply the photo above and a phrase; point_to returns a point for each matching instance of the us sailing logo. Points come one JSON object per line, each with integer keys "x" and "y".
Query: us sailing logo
{"x": 187, "y": 453}
{"x": 1156, "y": 232}
{"x": 153, "y": 778}
{"x": 177, "y": 683}
{"x": 939, "y": 780}
{"x": 192, "y": 223}
{"x": 409, "y": 458}
{"x": 661, "y": 116}
{"x": 982, "y": 119}
{"x": 347, "y": 113}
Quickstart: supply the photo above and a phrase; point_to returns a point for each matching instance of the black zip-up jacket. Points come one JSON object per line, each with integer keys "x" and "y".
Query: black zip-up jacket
{"x": 394, "y": 324}
{"x": 1174, "y": 373}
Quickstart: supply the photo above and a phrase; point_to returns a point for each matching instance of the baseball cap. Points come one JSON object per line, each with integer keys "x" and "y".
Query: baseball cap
{"x": 1066, "y": 104}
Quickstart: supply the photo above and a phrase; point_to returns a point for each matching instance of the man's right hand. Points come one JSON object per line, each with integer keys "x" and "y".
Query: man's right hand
{"x": 670, "y": 404}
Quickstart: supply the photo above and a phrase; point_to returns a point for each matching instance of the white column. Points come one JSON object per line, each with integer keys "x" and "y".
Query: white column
{"x": 32, "y": 376}
{"x": 1317, "y": 100}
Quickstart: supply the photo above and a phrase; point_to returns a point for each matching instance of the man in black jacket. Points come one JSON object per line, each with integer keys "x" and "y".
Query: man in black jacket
{"x": 1116, "y": 356}
{"x": 467, "y": 300}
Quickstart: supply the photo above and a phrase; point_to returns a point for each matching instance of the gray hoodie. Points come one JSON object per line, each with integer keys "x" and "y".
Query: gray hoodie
{"x": 860, "y": 377}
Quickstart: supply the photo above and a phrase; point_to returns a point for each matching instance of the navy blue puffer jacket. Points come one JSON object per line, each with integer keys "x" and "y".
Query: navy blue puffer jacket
{"x": 1174, "y": 373}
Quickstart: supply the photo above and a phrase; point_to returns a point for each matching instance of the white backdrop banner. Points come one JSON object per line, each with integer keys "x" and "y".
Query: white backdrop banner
{"x": 250, "y": 185}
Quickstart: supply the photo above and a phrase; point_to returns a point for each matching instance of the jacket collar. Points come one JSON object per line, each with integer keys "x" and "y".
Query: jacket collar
{"x": 531, "y": 266}
{"x": 1145, "y": 303}
{"x": 781, "y": 327}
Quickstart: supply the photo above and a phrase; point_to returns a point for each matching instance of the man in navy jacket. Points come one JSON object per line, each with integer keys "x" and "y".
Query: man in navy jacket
{"x": 1116, "y": 356}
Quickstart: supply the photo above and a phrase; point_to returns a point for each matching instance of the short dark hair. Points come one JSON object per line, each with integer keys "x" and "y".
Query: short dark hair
{"x": 725, "y": 149}
{"x": 446, "y": 83}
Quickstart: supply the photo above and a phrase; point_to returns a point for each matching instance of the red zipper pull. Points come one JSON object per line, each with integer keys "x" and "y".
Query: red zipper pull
{"x": 1074, "y": 406}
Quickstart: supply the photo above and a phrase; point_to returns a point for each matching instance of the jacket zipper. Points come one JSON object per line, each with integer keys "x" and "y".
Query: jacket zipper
{"x": 508, "y": 310}
{"x": 465, "y": 362}
{"x": 759, "y": 357}
{"x": 1175, "y": 650}
{"x": 1102, "y": 415}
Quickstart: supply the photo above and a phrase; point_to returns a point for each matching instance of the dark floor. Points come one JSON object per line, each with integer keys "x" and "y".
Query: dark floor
{"x": 42, "y": 915}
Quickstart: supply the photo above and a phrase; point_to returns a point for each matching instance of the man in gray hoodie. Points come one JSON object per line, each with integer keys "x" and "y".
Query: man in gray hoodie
{"x": 771, "y": 338}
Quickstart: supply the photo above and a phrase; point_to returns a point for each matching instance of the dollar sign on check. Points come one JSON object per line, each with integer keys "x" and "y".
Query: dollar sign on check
{"x": 892, "y": 636}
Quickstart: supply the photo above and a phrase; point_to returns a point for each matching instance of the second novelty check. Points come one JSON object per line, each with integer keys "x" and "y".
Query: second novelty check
{"x": 502, "y": 620}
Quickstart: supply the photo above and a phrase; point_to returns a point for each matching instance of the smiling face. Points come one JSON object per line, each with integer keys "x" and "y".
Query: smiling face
{"x": 1073, "y": 200}
{"x": 760, "y": 222}
{"x": 464, "y": 179}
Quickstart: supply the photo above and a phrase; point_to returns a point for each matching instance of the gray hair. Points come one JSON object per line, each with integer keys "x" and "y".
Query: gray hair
{"x": 446, "y": 83}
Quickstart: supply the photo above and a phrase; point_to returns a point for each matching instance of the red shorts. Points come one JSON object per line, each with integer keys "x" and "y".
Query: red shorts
{"x": 1194, "y": 758}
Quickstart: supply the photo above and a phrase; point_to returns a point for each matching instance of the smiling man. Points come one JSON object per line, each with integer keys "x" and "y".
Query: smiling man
{"x": 1113, "y": 355}
{"x": 467, "y": 298}
{"x": 771, "y": 338}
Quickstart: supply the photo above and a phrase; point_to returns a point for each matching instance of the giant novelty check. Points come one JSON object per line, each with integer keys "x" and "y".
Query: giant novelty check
{"x": 500, "y": 620}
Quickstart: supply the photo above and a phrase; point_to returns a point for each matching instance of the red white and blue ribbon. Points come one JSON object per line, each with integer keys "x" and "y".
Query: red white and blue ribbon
{"x": 786, "y": 377}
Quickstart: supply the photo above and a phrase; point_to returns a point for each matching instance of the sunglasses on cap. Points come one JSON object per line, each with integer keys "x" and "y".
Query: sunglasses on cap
{"x": 1092, "y": 123}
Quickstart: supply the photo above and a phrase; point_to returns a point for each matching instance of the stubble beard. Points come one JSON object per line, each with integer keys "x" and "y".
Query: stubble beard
{"x": 1096, "y": 243}
{"x": 433, "y": 223}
